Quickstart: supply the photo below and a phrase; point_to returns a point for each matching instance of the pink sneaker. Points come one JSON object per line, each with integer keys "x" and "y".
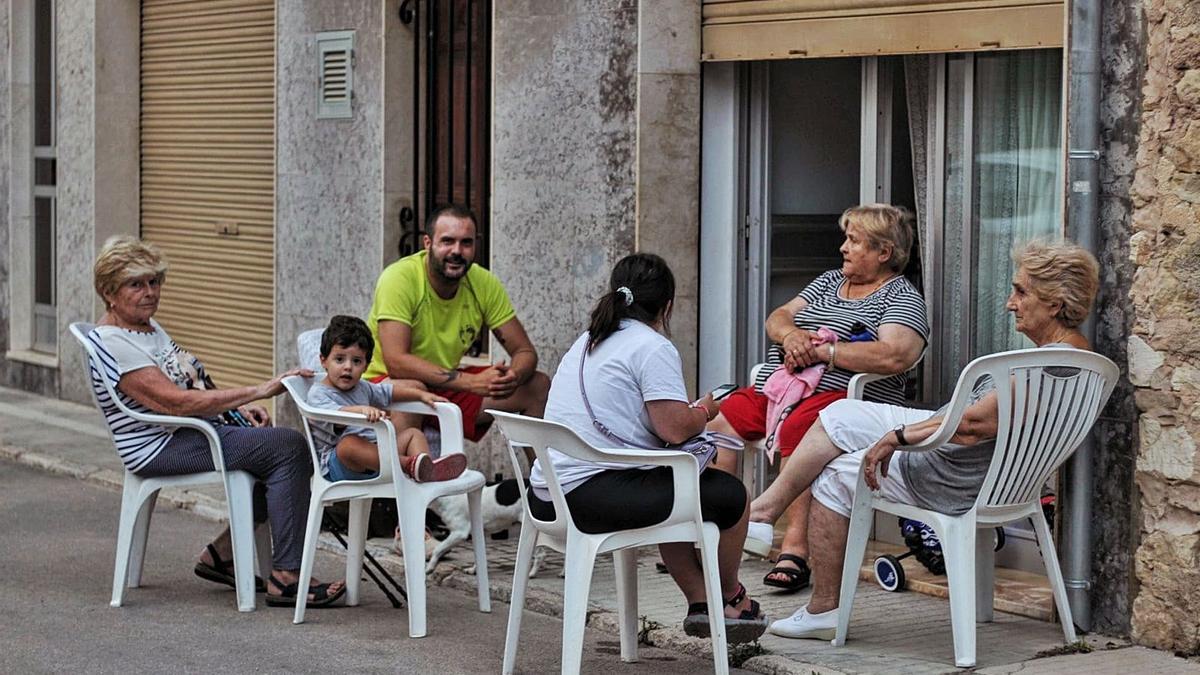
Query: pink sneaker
{"x": 425, "y": 469}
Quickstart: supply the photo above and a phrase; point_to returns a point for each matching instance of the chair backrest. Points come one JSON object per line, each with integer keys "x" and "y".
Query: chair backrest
{"x": 540, "y": 435}
{"x": 1053, "y": 397}
{"x": 80, "y": 330}
{"x": 297, "y": 387}
{"x": 308, "y": 348}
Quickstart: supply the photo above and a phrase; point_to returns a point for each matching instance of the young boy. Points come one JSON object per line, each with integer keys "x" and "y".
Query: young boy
{"x": 349, "y": 452}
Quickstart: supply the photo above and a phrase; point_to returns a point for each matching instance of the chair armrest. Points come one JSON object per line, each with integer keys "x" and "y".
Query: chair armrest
{"x": 449, "y": 421}
{"x": 859, "y": 382}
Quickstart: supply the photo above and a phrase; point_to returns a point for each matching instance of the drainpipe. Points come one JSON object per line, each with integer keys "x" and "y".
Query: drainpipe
{"x": 1083, "y": 224}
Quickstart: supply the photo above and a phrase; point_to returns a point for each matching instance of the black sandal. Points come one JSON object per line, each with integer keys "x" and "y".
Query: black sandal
{"x": 747, "y": 627}
{"x": 287, "y": 594}
{"x": 221, "y": 572}
{"x": 796, "y": 578}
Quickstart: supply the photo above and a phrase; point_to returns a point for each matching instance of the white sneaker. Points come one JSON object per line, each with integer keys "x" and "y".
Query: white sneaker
{"x": 759, "y": 539}
{"x": 821, "y": 626}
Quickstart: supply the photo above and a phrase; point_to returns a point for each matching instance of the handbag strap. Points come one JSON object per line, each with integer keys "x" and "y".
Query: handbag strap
{"x": 608, "y": 433}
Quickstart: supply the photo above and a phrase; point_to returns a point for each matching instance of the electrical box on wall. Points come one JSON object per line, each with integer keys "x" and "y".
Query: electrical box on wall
{"x": 335, "y": 74}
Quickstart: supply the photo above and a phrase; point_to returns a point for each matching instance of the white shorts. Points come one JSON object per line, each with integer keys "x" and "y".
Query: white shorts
{"x": 855, "y": 426}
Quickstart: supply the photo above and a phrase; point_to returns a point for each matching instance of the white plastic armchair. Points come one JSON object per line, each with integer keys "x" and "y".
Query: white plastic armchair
{"x": 138, "y": 495}
{"x": 1053, "y": 398}
{"x": 412, "y": 499}
{"x": 580, "y": 550}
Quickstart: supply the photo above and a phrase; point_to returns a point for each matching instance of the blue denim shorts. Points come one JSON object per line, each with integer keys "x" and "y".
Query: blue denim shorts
{"x": 336, "y": 471}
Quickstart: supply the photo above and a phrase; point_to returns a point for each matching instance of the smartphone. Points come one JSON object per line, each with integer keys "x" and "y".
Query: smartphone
{"x": 722, "y": 391}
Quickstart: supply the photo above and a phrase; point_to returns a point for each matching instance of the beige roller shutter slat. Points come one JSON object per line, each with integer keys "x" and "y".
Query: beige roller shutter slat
{"x": 742, "y": 30}
{"x": 207, "y": 160}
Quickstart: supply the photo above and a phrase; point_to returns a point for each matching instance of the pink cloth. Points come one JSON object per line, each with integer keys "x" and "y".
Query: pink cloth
{"x": 784, "y": 390}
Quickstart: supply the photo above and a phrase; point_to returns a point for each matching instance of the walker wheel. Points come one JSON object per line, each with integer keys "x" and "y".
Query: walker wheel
{"x": 999, "y": 539}
{"x": 889, "y": 573}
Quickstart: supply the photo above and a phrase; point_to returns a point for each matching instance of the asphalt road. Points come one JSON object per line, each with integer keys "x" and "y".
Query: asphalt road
{"x": 57, "y": 538}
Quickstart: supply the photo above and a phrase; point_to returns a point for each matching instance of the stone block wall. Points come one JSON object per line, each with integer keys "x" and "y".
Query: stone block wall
{"x": 1164, "y": 354}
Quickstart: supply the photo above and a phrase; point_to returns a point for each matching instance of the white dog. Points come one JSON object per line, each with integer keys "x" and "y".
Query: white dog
{"x": 501, "y": 506}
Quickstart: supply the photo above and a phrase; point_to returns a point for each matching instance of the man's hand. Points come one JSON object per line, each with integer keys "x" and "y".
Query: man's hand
{"x": 878, "y": 458}
{"x": 505, "y": 383}
{"x": 256, "y": 414}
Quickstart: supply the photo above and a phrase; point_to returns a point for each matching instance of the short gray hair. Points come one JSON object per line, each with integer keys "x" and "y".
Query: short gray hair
{"x": 124, "y": 258}
{"x": 1061, "y": 272}
{"x": 884, "y": 225}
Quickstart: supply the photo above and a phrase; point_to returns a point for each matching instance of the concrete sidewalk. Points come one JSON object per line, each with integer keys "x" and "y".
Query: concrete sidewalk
{"x": 890, "y": 632}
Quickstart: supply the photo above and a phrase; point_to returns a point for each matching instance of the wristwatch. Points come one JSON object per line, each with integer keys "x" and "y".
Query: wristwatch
{"x": 899, "y": 431}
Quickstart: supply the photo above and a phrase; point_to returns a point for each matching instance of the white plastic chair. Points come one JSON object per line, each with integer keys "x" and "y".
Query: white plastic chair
{"x": 1043, "y": 417}
{"x": 138, "y": 495}
{"x": 580, "y": 550}
{"x": 412, "y": 499}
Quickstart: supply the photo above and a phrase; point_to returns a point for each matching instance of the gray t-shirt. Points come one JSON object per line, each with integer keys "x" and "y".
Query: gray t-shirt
{"x": 325, "y": 434}
{"x": 947, "y": 480}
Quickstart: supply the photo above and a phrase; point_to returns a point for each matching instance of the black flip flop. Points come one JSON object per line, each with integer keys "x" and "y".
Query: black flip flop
{"x": 796, "y": 578}
{"x": 287, "y": 594}
{"x": 221, "y": 572}
{"x": 747, "y": 627}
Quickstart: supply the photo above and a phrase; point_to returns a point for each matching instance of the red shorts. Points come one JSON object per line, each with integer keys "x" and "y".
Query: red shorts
{"x": 470, "y": 405}
{"x": 746, "y": 411}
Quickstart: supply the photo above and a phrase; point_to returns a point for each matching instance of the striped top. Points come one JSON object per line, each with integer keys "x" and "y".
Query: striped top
{"x": 121, "y": 351}
{"x": 896, "y": 301}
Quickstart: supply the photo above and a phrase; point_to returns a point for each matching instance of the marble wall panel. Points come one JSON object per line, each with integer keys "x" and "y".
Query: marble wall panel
{"x": 329, "y": 193}
{"x": 564, "y": 147}
{"x": 76, "y": 192}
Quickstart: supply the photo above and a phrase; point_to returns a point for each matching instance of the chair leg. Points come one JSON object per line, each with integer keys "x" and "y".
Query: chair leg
{"x": 525, "y": 549}
{"x": 479, "y": 542}
{"x": 141, "y": 533}
{"x": 1054, "y": 575}
{"x": 861, "y": 518}
{"x": 412, "y": 537}
{"x": 625, "y": 568}
{"x": 958, "y": 548}
{"x": 580, "y": 561}
{"x": 241, "y": 528}
{"x": 312, "y": 531}
{"x": 710, "y": 536}
{"x": 131, "y": 497}
{"x": 356, "y": 542}
{"x": 985, "y": 575}
{"x": 263, "y": 550}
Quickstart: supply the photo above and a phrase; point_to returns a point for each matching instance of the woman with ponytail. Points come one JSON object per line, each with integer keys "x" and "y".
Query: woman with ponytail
{"x": 632, "y": 378}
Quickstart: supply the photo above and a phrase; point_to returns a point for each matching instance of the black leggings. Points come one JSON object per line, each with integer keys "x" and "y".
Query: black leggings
{"x": 633, "y": 498}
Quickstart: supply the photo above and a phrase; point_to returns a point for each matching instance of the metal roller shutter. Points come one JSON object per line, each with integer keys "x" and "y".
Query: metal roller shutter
{"x": 208, "y": 176}
{"x": 742, "y": 30}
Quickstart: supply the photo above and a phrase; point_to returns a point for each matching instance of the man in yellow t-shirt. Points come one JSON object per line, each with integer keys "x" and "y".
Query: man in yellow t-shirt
{"x": 428, "y": 310}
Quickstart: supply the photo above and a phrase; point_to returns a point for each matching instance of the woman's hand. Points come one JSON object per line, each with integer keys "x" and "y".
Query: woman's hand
{"x": 274, "y": 386}
{"x": 878, "y": 458}
{"x": 256, "y": 414}
{"x": 798, "y": 350}
{"x": 429, "y": 398}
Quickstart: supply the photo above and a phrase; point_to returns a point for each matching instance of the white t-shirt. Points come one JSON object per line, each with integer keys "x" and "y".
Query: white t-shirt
{"x": 122, "y": 351}
{"x": 633, "y": 366}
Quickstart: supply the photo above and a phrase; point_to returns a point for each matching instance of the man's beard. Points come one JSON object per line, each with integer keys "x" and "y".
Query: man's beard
{"x": 439, "y": 266}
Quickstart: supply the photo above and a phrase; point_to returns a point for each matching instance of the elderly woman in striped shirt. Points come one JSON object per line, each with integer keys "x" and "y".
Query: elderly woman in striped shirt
{"x": 152, "y": 374}
{"x": 879, "y": 319}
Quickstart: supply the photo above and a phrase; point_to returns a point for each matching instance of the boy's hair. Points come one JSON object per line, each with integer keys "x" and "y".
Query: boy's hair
{"x": 347, "y": 331}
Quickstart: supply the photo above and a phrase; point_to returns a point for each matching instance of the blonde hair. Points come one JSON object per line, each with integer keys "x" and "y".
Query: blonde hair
{"x": 124, "y": 258}
{"x": 884, "y": 225}
{"x": 1060, "y": 272}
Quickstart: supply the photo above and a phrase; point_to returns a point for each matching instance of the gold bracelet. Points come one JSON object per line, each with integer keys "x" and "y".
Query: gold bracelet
{"x": 832, "y": 354}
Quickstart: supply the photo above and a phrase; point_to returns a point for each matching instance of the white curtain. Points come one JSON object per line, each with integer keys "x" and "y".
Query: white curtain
{"x": 1017, "y": 177}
